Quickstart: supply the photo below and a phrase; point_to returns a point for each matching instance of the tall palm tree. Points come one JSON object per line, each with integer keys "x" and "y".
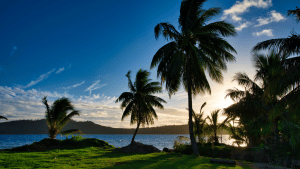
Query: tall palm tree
{"x": 139, "y": 101}
{"x": 2, "y": 117}
{"x": 214, "y": 126}
{"x": 197, "y": 47}
{"x": 57, "y": 116}
{"x": 199, "y": 124}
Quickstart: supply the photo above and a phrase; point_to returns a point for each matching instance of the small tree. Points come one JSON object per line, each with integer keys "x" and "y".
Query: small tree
{"x": 199, "y": 124}
{"x": 57, "y": 116}
{"x": 214, "y": 126}
{"x": 139, "y": 101}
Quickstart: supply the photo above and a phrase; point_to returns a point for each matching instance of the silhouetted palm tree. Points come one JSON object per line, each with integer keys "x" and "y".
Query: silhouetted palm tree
{"x": 57, "y": 116}
{"x": 197, "y": 47}
{"x": 2, "y": 117}
{"x": 214, "y": 126}
{"x": 249, "y": 109}
{"x": 139, "y": 101}
{"x": 199, "y": 124}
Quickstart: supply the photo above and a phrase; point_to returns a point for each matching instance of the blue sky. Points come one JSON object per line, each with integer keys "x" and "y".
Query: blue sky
{"x": 83, "y": 49}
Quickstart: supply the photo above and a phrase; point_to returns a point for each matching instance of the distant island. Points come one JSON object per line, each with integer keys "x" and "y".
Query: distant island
{"x": 87, "y": 127}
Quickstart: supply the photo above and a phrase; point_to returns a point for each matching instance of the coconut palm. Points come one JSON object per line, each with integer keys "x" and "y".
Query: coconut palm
{"x": 249, "y": 109}
{"x": 199, "y": 124}
{"x": 197, "y": 47}
{"x": 2, "y": 117}
{"x": 214, "y": 126}
{"x": 278, "y": 94}
{"x": 139, "y": 101}
{"x": 57, "y": 116}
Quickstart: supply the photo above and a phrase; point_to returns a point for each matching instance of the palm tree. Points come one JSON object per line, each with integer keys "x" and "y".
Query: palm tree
{"x": 249, "y": 109}
{"x": 196, "y": 48}
{"x": 139, "y": 101}
{"x": 199, "y": 124}
{"x": 214, "y": 126}
{"x": 57, "y": 116}
{"x": 2, "y": 117}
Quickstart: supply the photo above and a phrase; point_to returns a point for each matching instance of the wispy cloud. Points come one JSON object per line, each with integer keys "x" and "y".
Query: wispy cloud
{"x": 60, "y": 70}
{"x": 241, "y": 7}
{"x": 275, "y": 17}
{"x": 42, "y": 77}
{"x": 69, "y": 66}
{"x": 75, "y": 85}
{"x": 242, "y": 26}
{"x": 13, "y": 50}
{"x": 267, "y": 32}
{"x": 95, "y": 86}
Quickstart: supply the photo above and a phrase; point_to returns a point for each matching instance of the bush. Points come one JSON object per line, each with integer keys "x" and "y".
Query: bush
{"x": 207, "y": 149}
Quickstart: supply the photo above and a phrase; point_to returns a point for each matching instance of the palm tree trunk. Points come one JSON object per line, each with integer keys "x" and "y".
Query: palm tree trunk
{"x": 188, "y": 76}
{"x": 216, "y": 138}
{"x": 138, "y": 124}
{"x": 199, "y": 138}
{"x": 136, "y": 130}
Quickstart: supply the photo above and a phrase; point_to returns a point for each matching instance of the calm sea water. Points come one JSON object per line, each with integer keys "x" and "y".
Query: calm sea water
{"x": 118, "y": 140}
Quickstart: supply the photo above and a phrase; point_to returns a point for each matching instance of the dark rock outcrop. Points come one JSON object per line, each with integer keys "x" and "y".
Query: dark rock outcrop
{"x": 137, "y": 147}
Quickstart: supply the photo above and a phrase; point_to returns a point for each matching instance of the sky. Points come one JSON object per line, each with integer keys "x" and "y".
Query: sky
{"x": 82, "y": 50}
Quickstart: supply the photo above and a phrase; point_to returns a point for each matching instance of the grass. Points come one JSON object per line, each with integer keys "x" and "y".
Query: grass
{"x": 95, "y": 157}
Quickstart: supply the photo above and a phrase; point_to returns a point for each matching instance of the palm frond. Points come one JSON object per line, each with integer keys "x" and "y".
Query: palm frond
{"x": 295, "y": 12}
{"x": 2, "y": 117}
{"x": 167, "y": 30}
{"x": 189, "y": 14}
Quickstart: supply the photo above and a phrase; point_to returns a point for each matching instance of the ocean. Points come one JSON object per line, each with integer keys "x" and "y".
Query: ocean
{"x": 117, "y": 140}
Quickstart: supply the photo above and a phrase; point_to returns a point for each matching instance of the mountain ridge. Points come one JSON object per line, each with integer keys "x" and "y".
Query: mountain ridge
{"x": 87, "y": 127}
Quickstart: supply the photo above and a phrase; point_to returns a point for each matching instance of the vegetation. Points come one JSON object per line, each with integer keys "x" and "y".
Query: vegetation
{"x": 95, "y": 157}
{"x": 214, "y": 126}
{"x": 139, "y": 101}
{"x": 57, "y": 116}
{"x": 197, "y": 47}
{"x": 200, "y": 125}
{"x": 2, "y": 117}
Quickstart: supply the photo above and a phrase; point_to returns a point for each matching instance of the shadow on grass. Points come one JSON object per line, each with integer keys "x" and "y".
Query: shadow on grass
{"x": 160, "y": 160}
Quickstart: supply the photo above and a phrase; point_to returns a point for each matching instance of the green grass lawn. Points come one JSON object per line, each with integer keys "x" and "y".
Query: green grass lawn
{"x": 94, "y": 157}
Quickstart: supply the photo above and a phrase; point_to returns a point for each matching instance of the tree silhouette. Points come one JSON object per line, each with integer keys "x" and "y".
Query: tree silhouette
{"x": 196, "y": 48}
{"x": 57, "y": 116}
{"x": 139, "y": 101}
{"x": 214, "y": 126}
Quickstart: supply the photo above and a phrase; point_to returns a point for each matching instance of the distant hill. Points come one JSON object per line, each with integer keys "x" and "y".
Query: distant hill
{"x": 88, "y": 127}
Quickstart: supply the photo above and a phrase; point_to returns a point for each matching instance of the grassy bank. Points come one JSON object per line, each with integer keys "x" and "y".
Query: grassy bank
{"x": 94, "y": 157}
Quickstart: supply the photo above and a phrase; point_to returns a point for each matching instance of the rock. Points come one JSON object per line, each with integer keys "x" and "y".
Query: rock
{"x": 167, "y": 150}
{"x": 137, "y": 147}
{"x": 248, "y": 157}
